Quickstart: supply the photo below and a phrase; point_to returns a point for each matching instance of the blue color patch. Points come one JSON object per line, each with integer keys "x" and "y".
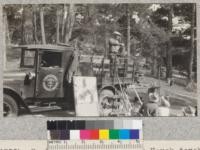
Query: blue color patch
{"x": 124, "y": 134}
{"x": 134, "y": 134}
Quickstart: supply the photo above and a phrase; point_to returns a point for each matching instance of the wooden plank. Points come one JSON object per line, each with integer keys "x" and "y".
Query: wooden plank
{"x": 129, "y": 75}
{"x": 94, "y": 59}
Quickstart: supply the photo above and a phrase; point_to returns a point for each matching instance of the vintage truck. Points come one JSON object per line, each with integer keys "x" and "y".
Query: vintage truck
{"x": 42, "y": 82}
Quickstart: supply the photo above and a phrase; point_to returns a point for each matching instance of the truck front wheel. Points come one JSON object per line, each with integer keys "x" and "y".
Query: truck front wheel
{"x": 10, "y": 107}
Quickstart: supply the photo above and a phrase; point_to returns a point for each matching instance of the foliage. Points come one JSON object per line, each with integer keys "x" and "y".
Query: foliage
{"x": 91, "y": 25}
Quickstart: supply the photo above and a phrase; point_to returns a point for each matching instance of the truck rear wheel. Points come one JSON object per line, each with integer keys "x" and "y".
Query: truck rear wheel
{"x": 105, "y": 102}
{"x": 10, "y": 107}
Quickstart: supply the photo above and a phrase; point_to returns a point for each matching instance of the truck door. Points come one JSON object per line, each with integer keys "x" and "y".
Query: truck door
{"x": 49, "y": 82}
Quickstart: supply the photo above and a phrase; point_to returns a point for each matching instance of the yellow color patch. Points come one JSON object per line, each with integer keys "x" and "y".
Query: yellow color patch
{"x": 103, "y": 134}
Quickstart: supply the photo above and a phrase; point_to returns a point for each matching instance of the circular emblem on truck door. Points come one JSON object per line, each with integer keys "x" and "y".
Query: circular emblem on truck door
{"x": 50, "y": 82}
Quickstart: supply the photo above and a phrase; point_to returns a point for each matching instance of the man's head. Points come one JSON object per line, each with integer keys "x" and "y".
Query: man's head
{"x": 117, "y": 35}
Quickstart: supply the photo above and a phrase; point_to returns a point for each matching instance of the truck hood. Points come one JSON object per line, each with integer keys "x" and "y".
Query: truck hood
{"x": 16, "y": 74}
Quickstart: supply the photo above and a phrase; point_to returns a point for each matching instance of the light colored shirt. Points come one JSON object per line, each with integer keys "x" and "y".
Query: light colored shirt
{"x": 114, "y": 45}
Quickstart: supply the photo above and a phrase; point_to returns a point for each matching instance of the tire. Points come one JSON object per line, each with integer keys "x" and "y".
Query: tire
{"x": 10, "y": 107}
{"x": 104, "y": 95}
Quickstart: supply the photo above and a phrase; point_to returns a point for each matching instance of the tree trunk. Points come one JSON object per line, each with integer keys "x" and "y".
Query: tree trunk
{"x": 58, "y": 26}
{"x": 169, "y": 60}
{"x": 106, "y": 52}
{"x": 28, "y": 25}
{"x": 128, "y": 30}
{"x": 42, "y": 25}
{"x": 169, "y": 44}
{"x": 155, "y": 63}
{"x": 22, "y": 28}
{"x": 70, "y": 22}
{"x": 5, "y": 28}
{"x": 90, "y": 9}
{"x": 191, "y": 59}
{"x": 35, "y": 24}
{"x": 65, "y": 15}
{"x": 95, "y": 38}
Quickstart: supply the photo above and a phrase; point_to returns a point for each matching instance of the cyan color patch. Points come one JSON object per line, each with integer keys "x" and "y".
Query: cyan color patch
{"x": 124, "y": 134}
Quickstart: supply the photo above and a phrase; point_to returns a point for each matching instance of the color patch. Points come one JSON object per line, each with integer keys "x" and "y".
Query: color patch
{"x": 94, "y": 134}
{"x": 103, "y": 134}
{"x": 134, "y": 134}
{"x": 94, "y": 130}
{"x": 51, "y": 125}
{"x": 114, "y": 134}
{"x": 64, "y": 135}
{"x": 124, "y": 134}
{"x": 74, "y": 135}
{"x": 85, "y": 134}
{"x": 90, "y": 125}
{"x": 55, "y": 134}
{"x": 71, "y": 125}
{"x": 80, "y": 124}
{"x": 61, "y": 125}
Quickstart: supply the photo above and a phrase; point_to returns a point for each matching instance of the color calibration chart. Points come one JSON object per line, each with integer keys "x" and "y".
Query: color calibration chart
{"x": 94, "y": 134}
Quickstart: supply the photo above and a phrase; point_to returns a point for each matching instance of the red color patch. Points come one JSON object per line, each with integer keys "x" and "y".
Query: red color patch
{"x": 94, "y": 134}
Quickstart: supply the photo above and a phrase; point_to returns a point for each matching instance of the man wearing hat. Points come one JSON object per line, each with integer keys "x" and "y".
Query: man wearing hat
{"x": 115, "y": 47}
{"x": 114, "y": 43}
{"x": 150, "y": 108}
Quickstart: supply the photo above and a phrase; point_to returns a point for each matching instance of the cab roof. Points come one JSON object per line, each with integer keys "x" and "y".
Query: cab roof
{"x": 47, "y": 47}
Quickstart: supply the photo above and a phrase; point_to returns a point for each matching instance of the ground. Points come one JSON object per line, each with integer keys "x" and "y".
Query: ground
{"x": 179, "y": 98}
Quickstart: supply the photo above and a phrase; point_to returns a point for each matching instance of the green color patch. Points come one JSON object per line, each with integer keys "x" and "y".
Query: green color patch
{"x": 114, "y": 134}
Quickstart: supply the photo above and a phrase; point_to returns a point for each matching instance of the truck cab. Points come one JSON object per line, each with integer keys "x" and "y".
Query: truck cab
{"x": 39, "y": 79}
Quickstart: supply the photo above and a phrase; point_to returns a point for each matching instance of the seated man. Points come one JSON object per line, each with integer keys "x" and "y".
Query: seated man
{"x": 150, "y": 108}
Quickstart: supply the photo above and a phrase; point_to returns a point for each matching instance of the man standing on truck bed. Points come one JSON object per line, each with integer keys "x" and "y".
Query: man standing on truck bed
{"x": 115, "y": 48}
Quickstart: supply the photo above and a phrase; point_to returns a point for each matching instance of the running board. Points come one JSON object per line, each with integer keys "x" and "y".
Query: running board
{"x": 44, "y": 108}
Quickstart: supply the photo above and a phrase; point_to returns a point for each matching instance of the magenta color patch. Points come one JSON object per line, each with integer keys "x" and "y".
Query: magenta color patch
{"x": 85, "y": 134}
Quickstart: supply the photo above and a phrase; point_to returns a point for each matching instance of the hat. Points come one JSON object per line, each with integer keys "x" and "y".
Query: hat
{"x": 117, "y": 33}
{"x": 152, "y": 89}
{"x": 153, "y": 98}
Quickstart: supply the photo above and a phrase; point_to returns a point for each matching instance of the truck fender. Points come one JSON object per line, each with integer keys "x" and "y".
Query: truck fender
{"x": 16, "y": 97}
{"x": 108, "y": 87}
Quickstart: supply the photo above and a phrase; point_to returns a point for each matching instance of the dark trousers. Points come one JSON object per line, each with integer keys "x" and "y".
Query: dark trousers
{"x": 113, "y": 64}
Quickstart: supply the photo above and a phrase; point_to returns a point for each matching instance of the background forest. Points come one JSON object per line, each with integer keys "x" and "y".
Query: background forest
{"x": 163, "y": 34}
